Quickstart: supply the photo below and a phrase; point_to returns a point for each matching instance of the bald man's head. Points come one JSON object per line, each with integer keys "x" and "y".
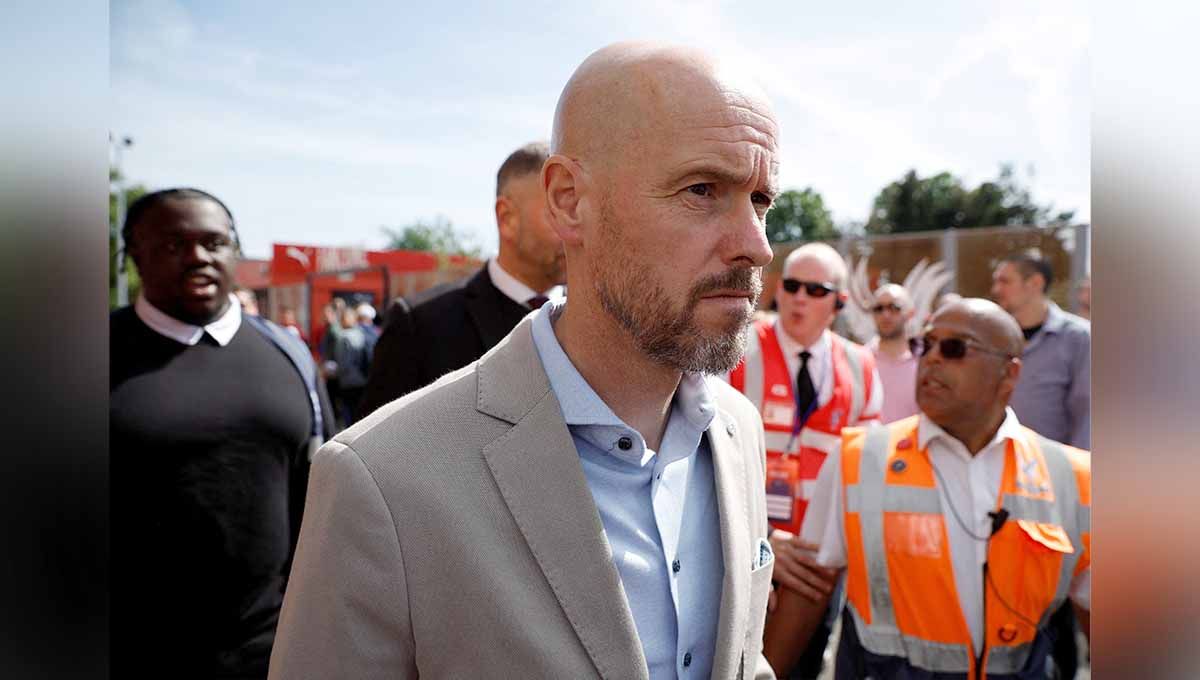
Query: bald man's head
{"x": 965, "y": 393}
{"x": 663, "y": 165}
{"x": 624, "y": 92}
{"x": 822, "y": 253}
{"x": 892, "y": 310}
{"x": 985, "y": 321}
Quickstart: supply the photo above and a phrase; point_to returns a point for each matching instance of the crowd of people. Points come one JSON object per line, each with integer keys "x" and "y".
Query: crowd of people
{"x": 594, "y": 457}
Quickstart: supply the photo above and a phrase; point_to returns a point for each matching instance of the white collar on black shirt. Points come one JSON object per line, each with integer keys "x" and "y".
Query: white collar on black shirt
{"x": 222, "y": 330}
{"x": 513, "y": 289}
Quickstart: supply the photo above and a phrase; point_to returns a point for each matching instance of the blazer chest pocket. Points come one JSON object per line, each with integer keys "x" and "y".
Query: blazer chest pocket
{"x": 760, "y": 590}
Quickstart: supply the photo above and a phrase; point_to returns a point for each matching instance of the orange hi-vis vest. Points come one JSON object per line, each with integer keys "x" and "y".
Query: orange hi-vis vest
{"x": 794, "y": 461}
{"x": 900, "y": 586}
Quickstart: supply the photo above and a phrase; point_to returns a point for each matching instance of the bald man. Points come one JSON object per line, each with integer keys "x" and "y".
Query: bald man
{"x": 897, "y": 364}
{"x": 808, "y": 383}
{"x": 585, "y": 500}
{"x": 960, "y": 530}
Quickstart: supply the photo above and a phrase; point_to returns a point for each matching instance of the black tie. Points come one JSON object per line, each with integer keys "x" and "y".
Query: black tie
{"x": 536, "y": 301}
{"x": 806, "y": 394}
{"x": 206, "y": 338}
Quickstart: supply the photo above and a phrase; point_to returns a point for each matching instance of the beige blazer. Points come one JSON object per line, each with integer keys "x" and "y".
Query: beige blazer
{"x": 452, "y": 534}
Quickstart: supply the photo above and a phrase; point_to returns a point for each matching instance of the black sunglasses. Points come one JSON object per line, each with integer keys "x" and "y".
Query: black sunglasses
{"x": 953, "y": 348}
{"x": 813, "y": 288}
{"x": 878, "y": 309}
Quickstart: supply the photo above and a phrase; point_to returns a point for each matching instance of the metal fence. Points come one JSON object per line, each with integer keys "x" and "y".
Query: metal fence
{"x": 971, "y": 254}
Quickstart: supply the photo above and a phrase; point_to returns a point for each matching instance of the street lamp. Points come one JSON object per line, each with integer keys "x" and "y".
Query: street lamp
{"x": 118, "y": 182}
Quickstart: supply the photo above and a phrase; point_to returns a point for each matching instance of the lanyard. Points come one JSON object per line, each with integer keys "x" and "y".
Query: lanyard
{"x": 800, "y": 419}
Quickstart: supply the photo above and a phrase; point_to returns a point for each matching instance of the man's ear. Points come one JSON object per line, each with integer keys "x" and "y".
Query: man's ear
{"x": 506, "y": 218}
{"x": 562, "y": 180}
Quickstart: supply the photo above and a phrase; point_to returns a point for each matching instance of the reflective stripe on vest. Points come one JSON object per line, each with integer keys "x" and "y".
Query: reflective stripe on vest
{"x": 858, "y": 396}
{"x": 1067, "y": 494}
{"x": 753, "y": 367}
{"x": 871, "y": 496}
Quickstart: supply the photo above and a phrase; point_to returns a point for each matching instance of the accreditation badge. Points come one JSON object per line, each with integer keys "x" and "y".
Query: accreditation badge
{"x": 783, "y": 479}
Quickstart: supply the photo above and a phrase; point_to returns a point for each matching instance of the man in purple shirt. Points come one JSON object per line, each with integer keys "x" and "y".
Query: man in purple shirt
{"x": 1054, "y": 394}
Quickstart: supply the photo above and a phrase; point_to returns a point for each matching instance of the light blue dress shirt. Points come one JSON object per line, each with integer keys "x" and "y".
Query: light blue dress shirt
{"x": 658, "y": 508}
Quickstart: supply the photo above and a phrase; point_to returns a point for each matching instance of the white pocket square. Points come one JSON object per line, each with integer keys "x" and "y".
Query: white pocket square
{"x": 763, "y": 554}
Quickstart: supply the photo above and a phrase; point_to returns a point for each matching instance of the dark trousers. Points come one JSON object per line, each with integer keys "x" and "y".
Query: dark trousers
{"x": 809, "y": 665}
{"x": 350, "y": 398}
{"x": 1065, "y": 653}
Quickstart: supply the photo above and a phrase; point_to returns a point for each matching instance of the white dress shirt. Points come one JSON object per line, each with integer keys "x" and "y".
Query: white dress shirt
{"x": 222, "y": 329}
{"x": 971, "y": 486}
{"x": 515, "y": 290}
{"x": 820, "y": 369}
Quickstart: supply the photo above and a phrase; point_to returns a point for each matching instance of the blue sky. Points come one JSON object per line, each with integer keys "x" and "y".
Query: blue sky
{"x": 319, "y": 123}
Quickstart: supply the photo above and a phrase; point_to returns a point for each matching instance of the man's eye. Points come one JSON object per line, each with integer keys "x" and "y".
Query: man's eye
{"x": 701, "y": 189}
{"x": 759, "y": 198}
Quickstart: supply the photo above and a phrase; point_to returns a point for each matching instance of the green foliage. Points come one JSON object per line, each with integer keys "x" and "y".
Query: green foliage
{"x": 132, "y": 280}
{"x": 799, "y": 215}
{"x": 437, "y": 236}
{"x": 941, "y": 202}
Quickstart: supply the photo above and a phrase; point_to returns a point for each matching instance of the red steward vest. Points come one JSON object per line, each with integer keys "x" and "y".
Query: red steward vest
{"x": 794, "y": 461}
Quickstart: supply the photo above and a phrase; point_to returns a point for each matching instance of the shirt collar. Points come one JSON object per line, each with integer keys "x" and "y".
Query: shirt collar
{"x": 927, "y": 430}
{"x": 222, "y": 329}
{"x": 580, "y": 404}
{"x": 792, "y": 348}
{"x": 512, "y": 288}
{"x": 1055, "y": 319}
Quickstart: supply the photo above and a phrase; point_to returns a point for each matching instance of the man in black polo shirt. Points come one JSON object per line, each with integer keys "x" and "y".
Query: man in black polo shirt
{"x": 213, "y": 415}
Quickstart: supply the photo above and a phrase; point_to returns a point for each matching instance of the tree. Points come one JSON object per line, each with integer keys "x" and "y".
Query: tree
{"x": 437, "y": 236}
{"x": 132, "y": 280}
{"x": 941, "y": 202}
{"x": 799, "y": 215}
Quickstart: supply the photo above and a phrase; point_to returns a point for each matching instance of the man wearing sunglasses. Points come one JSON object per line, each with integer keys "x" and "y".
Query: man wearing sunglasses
{"x": 897, "y": 364}
{"x": 808, "y": 383}
{"x": 961, "y": 531}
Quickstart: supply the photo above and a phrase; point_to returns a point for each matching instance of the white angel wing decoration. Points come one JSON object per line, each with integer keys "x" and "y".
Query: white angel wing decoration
{"x": 924, "y": 283}
{"x": 857, "y": 312}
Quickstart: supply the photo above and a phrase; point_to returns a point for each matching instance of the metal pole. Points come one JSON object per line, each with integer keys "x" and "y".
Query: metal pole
{"x": 119, "y": 186}
{"x": 950, "y": 257}
{"x": 1080, "y": 261}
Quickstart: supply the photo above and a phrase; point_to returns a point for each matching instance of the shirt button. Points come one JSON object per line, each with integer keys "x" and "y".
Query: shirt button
{"x": 625, "y": 443}
{"x": 687, "y": 659}
{"x": 729, "y": 429}
{"x": 675, "y": 566}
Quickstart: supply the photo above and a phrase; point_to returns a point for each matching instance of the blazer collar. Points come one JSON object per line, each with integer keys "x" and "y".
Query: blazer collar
{"x": 537, "y": 470}
{"x": 729, "y": 461}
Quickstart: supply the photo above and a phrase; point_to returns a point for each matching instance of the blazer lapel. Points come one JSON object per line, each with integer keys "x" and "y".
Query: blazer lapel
{"x": 492, "y": 312}
{"x": 728, "y": 463}
{"x": 537, "y": 469}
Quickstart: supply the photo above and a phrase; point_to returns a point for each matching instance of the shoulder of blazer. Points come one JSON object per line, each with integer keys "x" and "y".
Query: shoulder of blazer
{"x": 438, "y": 301}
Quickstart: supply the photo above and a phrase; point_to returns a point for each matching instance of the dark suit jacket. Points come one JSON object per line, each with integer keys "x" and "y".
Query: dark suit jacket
{"x": 437, "y": 331}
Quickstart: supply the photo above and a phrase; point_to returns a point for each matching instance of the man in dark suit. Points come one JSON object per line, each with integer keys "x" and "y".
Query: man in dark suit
{"x": 449, "y": 326}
